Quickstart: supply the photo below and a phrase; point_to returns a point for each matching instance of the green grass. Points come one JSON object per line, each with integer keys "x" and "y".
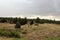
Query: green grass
{"x": 9, "y": 33}
{"x": 15, "y": 39}
{"x": 22, "y": 38}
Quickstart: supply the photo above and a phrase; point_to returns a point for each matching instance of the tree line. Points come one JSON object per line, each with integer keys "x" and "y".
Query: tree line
{"x": 23, "y": 21}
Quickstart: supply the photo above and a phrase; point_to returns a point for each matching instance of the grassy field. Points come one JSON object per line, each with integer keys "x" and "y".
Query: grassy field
{"x": 34, "y": 32}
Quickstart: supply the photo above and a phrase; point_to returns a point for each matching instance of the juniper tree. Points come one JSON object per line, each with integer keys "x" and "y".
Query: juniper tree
{"x": 15, "y": 20}
{"x": 19, "y": 20}
{"x": 3, "y": 20}
{"x": 18, "y": 25}
{"x": 38, "y": 20}
{"x": 31, "y": 22}
{"x": 25, "y": 20}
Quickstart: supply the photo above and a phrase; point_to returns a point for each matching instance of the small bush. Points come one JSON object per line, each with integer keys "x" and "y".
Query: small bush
{"x": 31, "y": 23}
{"x": 18, "y": 25}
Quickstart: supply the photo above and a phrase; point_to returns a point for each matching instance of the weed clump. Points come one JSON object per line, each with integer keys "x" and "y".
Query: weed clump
{"x": 9, "y": 33}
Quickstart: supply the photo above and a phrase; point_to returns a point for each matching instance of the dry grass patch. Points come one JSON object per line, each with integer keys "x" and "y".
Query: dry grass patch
{"x": 42, "y": 31}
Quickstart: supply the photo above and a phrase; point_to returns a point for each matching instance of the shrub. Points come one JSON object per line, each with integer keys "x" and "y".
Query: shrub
{"x": 31, "y": 22}
{"x": 18, "y": 25}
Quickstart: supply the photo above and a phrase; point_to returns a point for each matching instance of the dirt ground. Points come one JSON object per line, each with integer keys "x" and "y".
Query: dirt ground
{"x": 42, "y": 31}
{"x": 36, "y": 32}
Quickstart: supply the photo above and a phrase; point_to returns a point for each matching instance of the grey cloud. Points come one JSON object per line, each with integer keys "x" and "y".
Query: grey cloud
{"x": 29, "y": 7}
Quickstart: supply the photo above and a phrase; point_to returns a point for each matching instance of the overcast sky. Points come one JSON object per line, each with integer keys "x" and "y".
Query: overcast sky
{"x": 49, "y": 9}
